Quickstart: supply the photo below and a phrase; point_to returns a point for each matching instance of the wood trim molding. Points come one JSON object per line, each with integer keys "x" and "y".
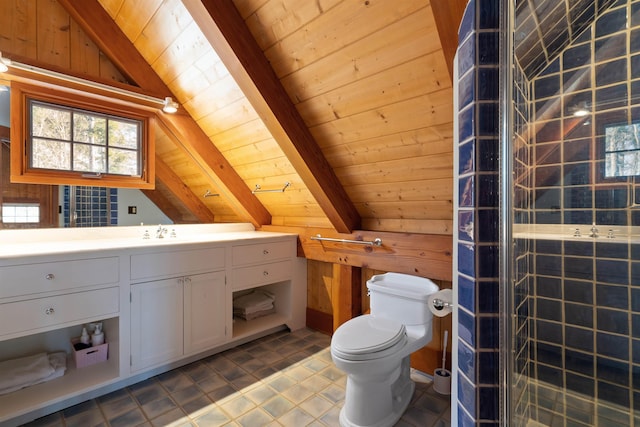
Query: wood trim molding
{"x": 227, "y": 32}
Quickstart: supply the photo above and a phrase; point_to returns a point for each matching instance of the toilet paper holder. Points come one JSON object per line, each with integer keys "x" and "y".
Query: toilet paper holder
{"x": 440, "y": 304}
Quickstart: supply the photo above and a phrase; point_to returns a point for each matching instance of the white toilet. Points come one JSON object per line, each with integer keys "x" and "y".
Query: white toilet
{"x": 373, "y": 349}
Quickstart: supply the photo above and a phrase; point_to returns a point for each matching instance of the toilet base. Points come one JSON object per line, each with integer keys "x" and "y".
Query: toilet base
{"x": 377, "y": 403}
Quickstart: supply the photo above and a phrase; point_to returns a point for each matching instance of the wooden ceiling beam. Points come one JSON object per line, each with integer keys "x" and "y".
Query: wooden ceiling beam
{"x": 182, "y": 192}
{"x": 164, "y": 204}
{"x": 226, "y": 31}
{"x": 105, "y": 33}
{"x": 448, "y": 14}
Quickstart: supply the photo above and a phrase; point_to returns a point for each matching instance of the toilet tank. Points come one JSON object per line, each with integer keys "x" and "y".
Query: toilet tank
{"x": 401, "y": 297}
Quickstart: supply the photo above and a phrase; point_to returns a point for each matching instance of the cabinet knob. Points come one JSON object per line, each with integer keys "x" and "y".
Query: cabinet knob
{"x": 50, "y": 276}
{"x": 265, "y": 252}
{"x": 49, "y": 311}
{"x": 265, "y": 273}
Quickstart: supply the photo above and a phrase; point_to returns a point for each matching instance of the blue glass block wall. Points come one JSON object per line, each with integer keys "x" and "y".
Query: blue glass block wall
{"x": 478, "y": 198}
{"x": 94, "y": 206}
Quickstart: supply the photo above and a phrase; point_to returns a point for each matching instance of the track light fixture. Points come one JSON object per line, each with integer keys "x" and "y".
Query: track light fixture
{"x": 169, "y": 105}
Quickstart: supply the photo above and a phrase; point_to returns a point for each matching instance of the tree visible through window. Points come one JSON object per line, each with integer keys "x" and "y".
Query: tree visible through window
{"x": 69, "y": 139}
{"x": 622, "y": 150}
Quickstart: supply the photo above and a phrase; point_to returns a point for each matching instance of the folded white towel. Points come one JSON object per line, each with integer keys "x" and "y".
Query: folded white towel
{"x": 25, "y": 371}
{"x": 254, "y": 301}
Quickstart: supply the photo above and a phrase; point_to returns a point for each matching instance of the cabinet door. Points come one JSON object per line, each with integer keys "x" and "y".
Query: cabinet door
{"x": 205, "y": 313}
{"x": 156, "y": 322}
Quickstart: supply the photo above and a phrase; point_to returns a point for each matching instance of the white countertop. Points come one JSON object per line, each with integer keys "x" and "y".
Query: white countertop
{"x": 38, "y": 242}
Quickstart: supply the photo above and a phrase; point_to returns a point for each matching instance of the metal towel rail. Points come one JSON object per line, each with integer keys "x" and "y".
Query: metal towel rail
{"x": 258, "y": 189}
{"x": 375, "y": 242}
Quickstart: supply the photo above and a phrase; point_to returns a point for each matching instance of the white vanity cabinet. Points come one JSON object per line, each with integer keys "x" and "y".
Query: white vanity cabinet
{"x": 268, "y": 265}
{"x": 162, "y": 304}
{"x": 156, "y": 322}
{"x": 41, "y": 296}
{"x": 205, "y": 307}
{"x": 181, "y": 315}
{"x": 44, "y": 302}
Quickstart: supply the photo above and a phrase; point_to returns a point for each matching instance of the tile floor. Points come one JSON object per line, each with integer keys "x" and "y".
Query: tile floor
{"x": 284, "y": 379}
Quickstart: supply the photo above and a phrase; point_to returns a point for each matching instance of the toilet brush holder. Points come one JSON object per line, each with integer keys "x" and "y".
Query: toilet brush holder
{"x": 442, "y": 376}
{"x": 442, "y": 381}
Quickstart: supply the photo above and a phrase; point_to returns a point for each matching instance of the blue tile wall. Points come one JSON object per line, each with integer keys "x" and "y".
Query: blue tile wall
{"x": 478, "y": 198}
{"x": 579, "y": 293}
{"x": 558, "y": 29}
{"x": 589, "y": 344}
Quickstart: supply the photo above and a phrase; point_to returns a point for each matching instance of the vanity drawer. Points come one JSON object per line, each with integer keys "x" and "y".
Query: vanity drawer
{"x": 17, "y": 280}
{"x": 176, "y": 263}
{"x": 263, "y": 252}
{"x": 248, "y": 277}
{"x": 28, "y": 315}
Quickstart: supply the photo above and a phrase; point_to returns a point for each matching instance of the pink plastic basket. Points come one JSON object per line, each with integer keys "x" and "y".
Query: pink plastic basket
{"x": 89, "y": 356}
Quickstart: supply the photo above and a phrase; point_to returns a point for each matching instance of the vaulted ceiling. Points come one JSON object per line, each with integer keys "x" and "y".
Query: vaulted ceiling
{"x": 341, "y": 110}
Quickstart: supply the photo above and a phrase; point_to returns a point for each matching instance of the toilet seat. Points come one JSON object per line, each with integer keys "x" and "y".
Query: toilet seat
{"x": 368, "y": 337}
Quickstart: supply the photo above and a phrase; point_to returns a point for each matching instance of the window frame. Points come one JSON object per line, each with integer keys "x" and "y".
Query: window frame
{"x": 616, "y": 153}
{"x": 21, "y": 171}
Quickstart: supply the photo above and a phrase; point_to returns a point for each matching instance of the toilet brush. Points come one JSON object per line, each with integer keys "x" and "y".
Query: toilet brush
{"x": 444, "y": 349}
{"x": 442, "y": 377}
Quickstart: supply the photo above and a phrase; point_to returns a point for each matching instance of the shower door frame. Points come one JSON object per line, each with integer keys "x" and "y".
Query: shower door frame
{"x": 506, "y": 282}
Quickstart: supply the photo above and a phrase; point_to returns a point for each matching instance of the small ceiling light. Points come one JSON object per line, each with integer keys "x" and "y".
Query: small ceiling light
{"x": 3, "y": 65}
{"x": 169, "y": 105}
{"x": 581, "y": 110}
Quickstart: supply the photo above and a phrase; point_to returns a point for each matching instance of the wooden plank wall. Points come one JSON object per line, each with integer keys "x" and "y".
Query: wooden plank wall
{"x": 176, "y": 49}
{"x": 42, "y": 30}
{"x": 371, "y": 82}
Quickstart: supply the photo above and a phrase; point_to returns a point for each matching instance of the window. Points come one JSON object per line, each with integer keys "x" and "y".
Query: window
{"x": 68, "y": 138}
{"x": 20, "y": 213}
{"x": 622, "y": 150}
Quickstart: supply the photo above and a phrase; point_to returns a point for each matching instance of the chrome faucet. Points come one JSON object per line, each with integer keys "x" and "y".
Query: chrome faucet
{"x": 594, "y": 231}
{"x": 160, "y": 232}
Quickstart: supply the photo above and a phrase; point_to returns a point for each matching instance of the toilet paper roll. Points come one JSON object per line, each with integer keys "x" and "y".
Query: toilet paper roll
{"x": 441, "y": 302}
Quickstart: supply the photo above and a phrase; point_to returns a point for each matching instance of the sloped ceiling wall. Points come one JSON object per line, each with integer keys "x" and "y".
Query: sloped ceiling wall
{"x": 368, "y": 80}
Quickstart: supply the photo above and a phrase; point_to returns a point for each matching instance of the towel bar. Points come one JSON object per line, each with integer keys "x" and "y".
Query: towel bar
{"x": 375, "y": 242}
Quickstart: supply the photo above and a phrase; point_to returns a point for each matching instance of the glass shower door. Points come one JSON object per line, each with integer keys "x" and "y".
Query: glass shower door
{"x": 573, "y": 296}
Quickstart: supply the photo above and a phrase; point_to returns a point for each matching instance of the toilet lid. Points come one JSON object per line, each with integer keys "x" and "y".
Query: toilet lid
{"x": 367, "y": 337}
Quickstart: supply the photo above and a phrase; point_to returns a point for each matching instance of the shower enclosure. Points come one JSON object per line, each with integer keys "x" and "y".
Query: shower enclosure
{"x": 570, "y": 291}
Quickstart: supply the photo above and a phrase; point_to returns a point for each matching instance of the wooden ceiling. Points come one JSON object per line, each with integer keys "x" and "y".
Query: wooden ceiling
{"x": 350, "y": 102}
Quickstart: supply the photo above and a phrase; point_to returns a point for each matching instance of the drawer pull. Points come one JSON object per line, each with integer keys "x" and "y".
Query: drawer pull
{"x": 265, "y": 273}
{"x": 265, "y": 252}
{"x": 49, "y": 311}
{"x": 50, "y": 276}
